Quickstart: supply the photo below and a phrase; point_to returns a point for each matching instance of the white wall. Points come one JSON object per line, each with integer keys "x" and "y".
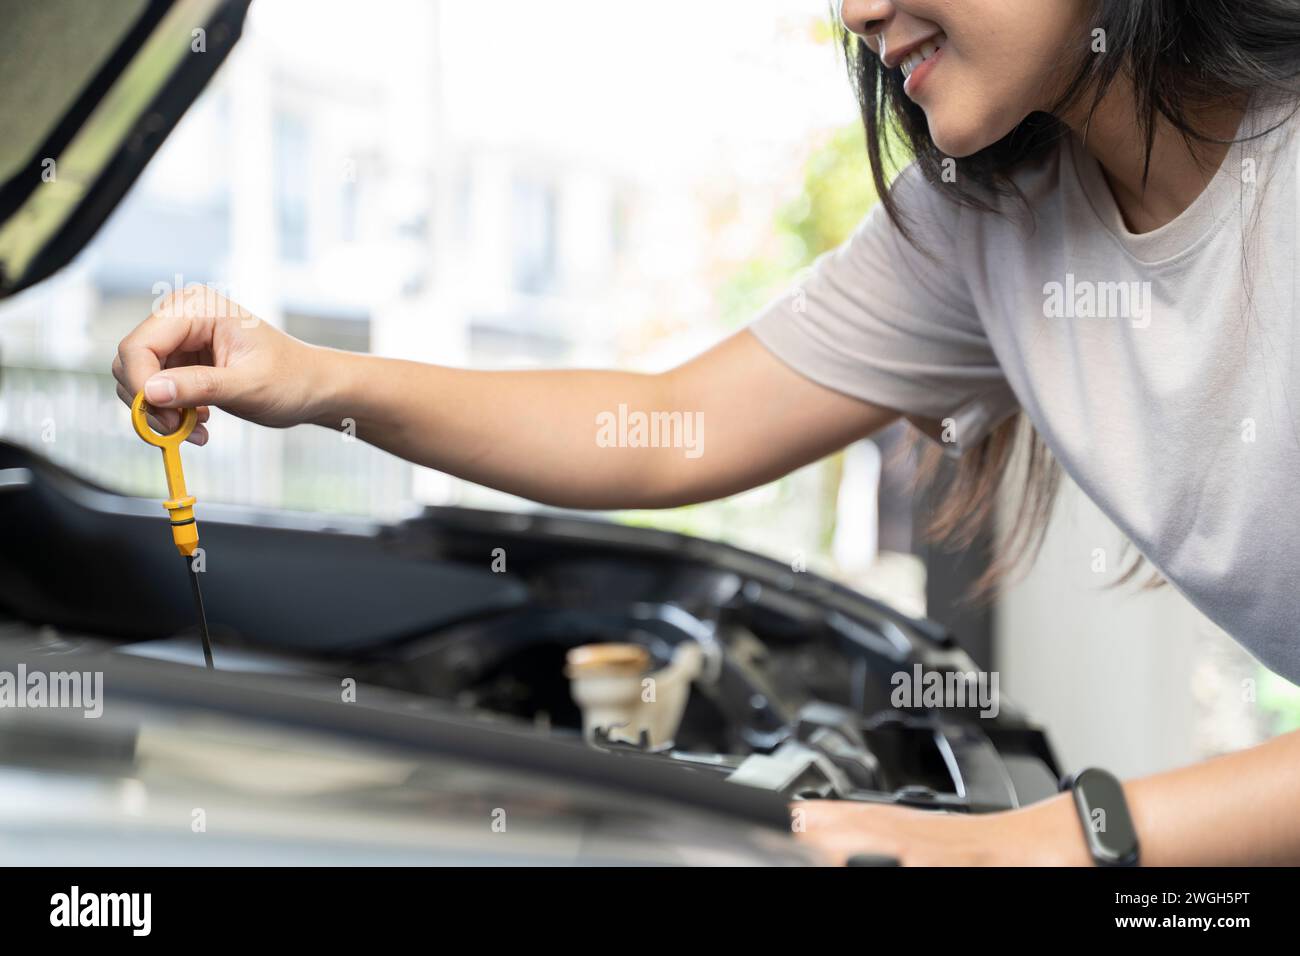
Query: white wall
{"x": 1119, "y": 676}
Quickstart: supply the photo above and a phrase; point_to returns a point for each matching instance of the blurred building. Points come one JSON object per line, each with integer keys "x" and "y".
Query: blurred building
{"x": 383, "y": 188}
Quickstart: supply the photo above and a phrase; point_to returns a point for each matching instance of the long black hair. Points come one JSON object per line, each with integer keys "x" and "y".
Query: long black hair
{"x": 1178, "y": 57}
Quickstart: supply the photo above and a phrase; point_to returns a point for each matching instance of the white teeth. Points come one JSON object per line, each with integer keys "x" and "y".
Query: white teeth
{"x": 921, "y": 54}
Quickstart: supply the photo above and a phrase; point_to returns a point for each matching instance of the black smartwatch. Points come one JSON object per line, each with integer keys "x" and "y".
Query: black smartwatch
{"x": 1103, "y": 812}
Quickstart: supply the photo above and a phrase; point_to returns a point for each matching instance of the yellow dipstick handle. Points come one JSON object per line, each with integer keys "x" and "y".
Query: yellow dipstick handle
{"x": 181, "y": 505}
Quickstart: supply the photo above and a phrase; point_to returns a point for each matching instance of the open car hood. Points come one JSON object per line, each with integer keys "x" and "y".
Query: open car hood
{"x": 90, "y": 91}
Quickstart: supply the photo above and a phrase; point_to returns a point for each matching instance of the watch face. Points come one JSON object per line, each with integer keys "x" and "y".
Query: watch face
{"x": 1103, "y": 811}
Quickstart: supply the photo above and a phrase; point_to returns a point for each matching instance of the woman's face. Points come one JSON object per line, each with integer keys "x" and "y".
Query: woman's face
{"x": 977, "y": 67}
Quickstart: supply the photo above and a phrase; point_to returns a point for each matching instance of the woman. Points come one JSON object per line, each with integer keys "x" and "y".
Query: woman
{"x": 1099, "y": 229}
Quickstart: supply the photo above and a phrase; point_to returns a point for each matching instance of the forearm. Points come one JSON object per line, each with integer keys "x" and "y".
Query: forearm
{"x": 1240, "y": 809}
{"x": 731, "y": 419}
{"x": 529, "y": 433}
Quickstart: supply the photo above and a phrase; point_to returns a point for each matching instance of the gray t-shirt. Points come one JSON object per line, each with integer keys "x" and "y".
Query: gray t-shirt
{"x": 1162, "y": 369}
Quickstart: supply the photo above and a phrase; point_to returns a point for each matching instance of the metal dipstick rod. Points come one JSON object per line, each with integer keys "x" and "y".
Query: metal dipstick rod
{"x": 185, "y": 530}
{"x": 203, "y": 617}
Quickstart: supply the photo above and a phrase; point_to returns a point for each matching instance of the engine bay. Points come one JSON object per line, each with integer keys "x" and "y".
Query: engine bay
{"x": 789, "y": 675}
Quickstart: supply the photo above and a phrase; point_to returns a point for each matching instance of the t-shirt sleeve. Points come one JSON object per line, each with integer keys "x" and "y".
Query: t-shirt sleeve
{"x": 880, "y": 320}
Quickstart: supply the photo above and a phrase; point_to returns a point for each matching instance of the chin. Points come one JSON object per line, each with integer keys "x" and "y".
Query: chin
{"x": 958, "y": 140}
{"x": 960, "y": 128}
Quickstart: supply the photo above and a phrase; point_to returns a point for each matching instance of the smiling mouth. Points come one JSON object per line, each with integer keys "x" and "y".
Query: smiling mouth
{"x": 922, "y": 53}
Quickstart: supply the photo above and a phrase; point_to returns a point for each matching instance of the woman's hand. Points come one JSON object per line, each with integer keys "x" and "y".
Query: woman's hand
{"x": 200, "y": 349}
{"x": 1240, "y": 809}
{"x": 1044, "y": 834}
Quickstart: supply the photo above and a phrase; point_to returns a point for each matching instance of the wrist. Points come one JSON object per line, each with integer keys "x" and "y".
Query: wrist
{"x": 1047, "y": 833}
{"x": 331, "y": 386}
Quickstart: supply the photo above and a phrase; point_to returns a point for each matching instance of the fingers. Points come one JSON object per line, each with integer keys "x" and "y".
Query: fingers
{"x": 198, "y": 437}
{"x": 167, "y": 416}
{"x": 839, "y": 830}
{"x": 170, "y": 357}
{"x": 171, "y": 328}
{"x": 193, "y": 386}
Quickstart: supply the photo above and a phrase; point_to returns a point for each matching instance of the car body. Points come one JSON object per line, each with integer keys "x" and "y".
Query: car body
{"x": 459, "y": 699}
{"x": 396, "y": 692}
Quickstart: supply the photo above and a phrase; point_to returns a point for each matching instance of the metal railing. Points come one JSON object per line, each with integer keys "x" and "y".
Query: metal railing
{"x": 73, "y": 417}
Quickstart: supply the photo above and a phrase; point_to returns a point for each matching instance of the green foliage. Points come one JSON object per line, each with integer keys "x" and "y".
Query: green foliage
{"x": 837, "y": 192}
{"x": 1281, "y": 700}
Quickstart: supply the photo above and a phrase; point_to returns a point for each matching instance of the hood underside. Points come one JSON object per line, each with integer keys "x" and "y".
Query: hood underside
{"x": 91, "y": 89}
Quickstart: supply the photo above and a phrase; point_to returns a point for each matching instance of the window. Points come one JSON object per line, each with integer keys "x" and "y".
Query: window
{"x": 533, "y": 236}
{"x": 292, "y": 170}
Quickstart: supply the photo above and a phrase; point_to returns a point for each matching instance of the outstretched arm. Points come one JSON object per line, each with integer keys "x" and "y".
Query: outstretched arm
{"x": 537, "y": 434}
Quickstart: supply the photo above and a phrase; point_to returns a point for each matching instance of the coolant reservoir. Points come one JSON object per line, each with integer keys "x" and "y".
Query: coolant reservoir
{"x": 612, "y": 685}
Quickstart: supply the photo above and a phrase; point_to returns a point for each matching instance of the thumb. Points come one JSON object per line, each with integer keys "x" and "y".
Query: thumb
{"x": 188, "y": 387}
